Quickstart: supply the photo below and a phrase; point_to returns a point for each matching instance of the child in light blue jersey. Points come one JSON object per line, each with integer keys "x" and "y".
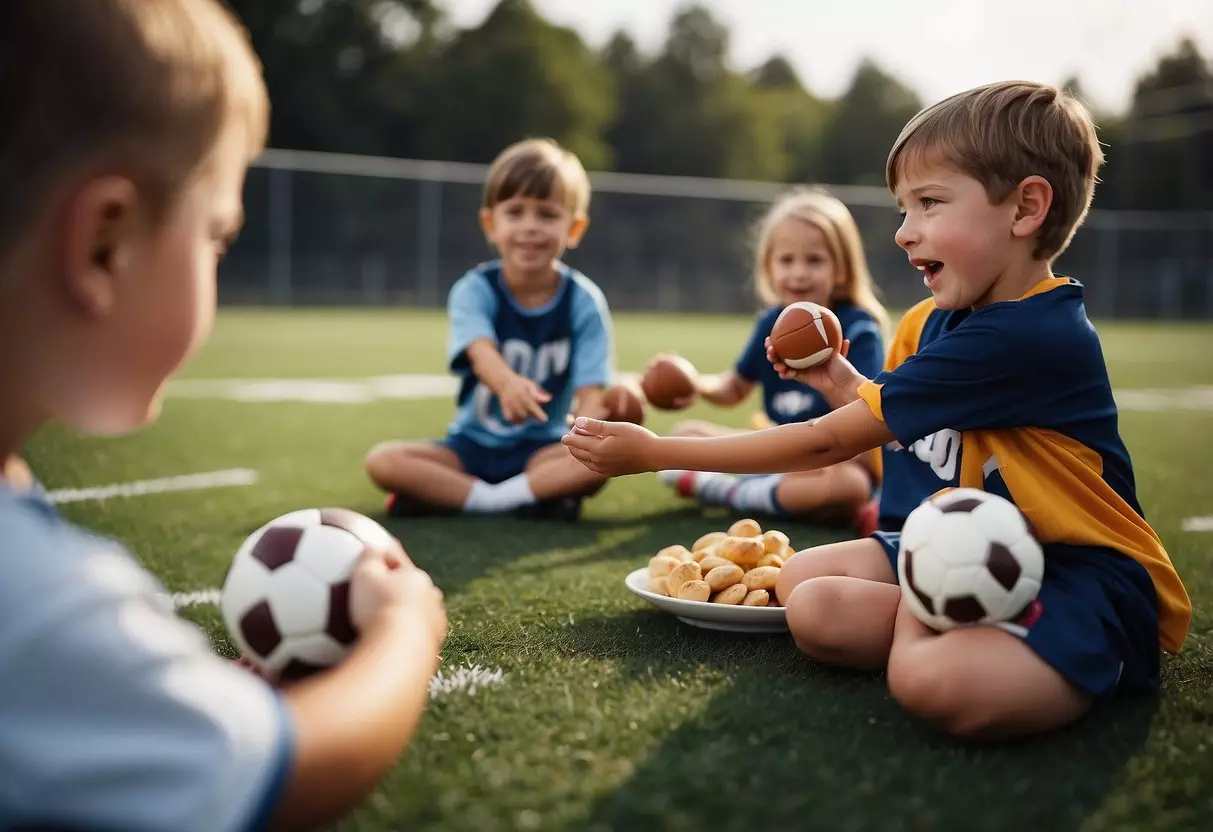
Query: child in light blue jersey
{"x": 530, "y": 340}
{"x": 128, "y": 127}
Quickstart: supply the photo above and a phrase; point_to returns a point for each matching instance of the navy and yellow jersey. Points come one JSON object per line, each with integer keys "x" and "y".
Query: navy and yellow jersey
{"x": 787, "y": 400}
{"x": 563, "y": 346}
{"x": 1014, "y": 398}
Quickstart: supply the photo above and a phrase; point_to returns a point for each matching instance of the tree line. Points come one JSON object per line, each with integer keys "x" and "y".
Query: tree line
{"x": 395, "y": 78}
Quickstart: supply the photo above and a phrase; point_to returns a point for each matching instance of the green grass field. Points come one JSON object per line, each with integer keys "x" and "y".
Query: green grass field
{"x": 612, "y": 715}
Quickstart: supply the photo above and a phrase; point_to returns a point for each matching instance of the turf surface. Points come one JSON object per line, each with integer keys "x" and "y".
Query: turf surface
{"x": 613, "y": 715}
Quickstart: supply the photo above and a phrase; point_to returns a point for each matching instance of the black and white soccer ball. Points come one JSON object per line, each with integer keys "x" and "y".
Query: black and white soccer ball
{"x": 968, "y": 557}
{"x": 286, "y": 598}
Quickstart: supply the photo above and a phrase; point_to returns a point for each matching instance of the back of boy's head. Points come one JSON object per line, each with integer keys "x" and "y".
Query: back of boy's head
{"x": 542, "y": 169}
{"x": 1002, "y": 133}
{"x": 139, "y": 88}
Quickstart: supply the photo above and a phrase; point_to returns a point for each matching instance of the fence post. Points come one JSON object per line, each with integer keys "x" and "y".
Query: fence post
{"x": 373, "y": 283}
{"x": 1107, "y": 261}
{"x": 429, "y": 232}
{"x": 280, "y": 236}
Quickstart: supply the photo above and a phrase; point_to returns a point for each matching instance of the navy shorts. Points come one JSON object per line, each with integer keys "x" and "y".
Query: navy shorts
{"x": 1095, "y": 620}
{"x": 493, "y": 465}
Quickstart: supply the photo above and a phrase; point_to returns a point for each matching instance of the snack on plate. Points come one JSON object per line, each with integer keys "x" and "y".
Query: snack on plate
{"x": 739, "y": 566}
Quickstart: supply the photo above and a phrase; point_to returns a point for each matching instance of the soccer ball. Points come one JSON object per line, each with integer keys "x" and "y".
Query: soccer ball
{"x": 968, "y": 557}
{"x": 285, "y": 600}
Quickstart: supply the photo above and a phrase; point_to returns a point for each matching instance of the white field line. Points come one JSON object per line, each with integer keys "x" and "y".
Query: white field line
{"x": 466, "y": 679}
{"x": 463, "y": 679}
{"x": 187, "y": 482}
{"x": 324, "y": 390}
{"x": 198, "y": 598}
{"x": 1198, "y": 524}
{"x": 420, "y": 386}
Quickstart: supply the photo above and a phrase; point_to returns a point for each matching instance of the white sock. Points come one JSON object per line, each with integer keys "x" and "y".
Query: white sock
{"x": 715, "y": 489}
{"x": 513, "y": 493}
{"x": 757, "y": 494}
{"x": 481, "y": 499}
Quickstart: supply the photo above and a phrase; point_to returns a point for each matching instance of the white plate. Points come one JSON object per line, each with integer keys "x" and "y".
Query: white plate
{"x": 734, "y": 619}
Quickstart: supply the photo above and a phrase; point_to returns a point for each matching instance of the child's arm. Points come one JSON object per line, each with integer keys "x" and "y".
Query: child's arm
{"x": 727, "y": 389}
{"x": 352, "y": 722}
{"x": 614, "y": 449}
{"x": 520, "y": 397}
{"x": 588, "y": 401}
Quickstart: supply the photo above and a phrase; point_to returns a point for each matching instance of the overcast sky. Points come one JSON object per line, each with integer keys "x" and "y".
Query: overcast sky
{"x": 938, "y": 47}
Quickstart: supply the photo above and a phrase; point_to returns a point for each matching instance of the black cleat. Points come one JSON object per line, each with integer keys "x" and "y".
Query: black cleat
{"x": 566, "y": 509}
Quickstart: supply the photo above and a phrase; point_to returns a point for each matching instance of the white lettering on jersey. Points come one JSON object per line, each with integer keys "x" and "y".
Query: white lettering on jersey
{"x": 940, "y": 450}
{"x": 792, "y": 402}
{"x": 552, "y": 359}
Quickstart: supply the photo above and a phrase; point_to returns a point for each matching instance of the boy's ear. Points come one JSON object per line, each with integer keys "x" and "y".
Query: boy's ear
{"x": 101, "y": 223}
{"x": 1034, "y": 197}
{"x": 577, "y": 231}
{"x": 486, "y": 223}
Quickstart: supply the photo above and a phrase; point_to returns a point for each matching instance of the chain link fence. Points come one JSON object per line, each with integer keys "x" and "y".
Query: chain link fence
{"x": 326, "y": 229}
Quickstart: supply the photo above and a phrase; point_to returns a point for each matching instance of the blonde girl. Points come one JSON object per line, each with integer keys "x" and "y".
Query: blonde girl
{"x": 808, "y": 248}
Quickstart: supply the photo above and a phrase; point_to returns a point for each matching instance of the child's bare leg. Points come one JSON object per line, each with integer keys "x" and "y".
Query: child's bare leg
{"x": 423, "y": 471}
{"x": 837, "y": 490}
{"x": 697, "y": 427}
{"x": 841, "y": 603}
{"x": 978, "y": 682}
{"x": 864, "y": 558}
{"x": 553, "y": 472}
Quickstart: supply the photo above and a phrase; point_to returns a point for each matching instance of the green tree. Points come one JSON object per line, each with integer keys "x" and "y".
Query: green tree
{"x": 866, "y": 122}
{"x": 1159, "y": 157}
{"x": 802, "y": 117}
{"x": 515, "y": 76}
{"x": 686, "y": 113}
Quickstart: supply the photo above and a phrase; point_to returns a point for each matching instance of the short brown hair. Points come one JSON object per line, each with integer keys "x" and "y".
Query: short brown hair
{"x": 538, "y": 168}
{"x": 1000, "y": 134}
{"x": 139, "y": 87}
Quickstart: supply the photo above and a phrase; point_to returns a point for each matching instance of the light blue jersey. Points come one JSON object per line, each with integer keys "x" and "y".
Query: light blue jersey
{"x": 116, "y": 713}
{"x": 563, "y": 346}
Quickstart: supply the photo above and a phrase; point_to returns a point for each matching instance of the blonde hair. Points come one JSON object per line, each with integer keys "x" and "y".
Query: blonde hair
{"x": 1000, "y": 134}
{"x": 143, "y": 88}
{"x": 538, "y": 168}
{"x": 852, "y": 279}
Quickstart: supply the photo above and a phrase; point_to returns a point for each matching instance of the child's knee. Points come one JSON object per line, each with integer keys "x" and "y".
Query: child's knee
{"x": 377, "y": 460}
{"x": 818, "y": 617}
{"x": 383, "y": 461}
{"x": 939, "y": 688}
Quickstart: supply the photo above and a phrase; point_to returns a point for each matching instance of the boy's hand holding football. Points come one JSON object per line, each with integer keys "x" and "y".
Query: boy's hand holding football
{"x": 836, "y": 378}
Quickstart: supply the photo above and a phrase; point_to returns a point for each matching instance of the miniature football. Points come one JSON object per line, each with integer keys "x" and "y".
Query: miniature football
{"x": 968, "y": 557}
{"x": 623, "y": 404}
{"x": 286, "y": 598}
{"x": 669, "y": 379}
{"x": 806, "y": 334}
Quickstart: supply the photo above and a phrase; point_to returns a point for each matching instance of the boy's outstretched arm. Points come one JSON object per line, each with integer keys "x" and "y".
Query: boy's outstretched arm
{"x": 520, "y": 397}
{"x": 615, "y": 449}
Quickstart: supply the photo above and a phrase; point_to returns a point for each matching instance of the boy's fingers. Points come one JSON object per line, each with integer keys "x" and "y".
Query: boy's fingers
{"x": 845, "y": 348}
{"x": 590, "y": 427}
{"x": 537, "y": 411}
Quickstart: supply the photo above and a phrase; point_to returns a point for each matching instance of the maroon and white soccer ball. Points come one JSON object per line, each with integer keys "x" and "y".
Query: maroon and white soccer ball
{"x": 286, "y": 598}
{"x": 968, "y": 557}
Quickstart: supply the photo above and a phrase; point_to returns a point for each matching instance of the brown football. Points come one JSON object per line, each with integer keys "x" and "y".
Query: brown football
{"x": 668, "y": 380}
{"x": 624, "y": 405}
{"x": 806, "y": 334}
